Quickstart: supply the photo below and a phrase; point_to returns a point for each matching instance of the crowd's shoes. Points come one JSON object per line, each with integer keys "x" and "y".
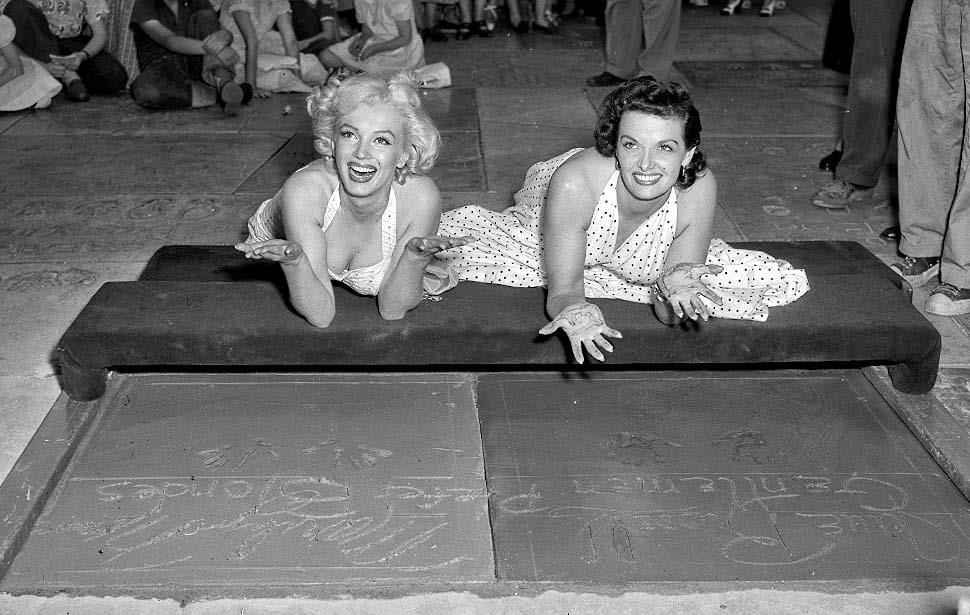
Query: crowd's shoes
{"x": 699, "y": 2}
{"x": 76, "y": 91}
{"x": 917, "y": 270}
{"x": 769, "y": 7}
{"x": 605, "y": 79}
{"x": 733, "y": 7}
{"x": 948, "y": 300}
{"x": 230, "y": 97}
{"x": 840, "y": 194}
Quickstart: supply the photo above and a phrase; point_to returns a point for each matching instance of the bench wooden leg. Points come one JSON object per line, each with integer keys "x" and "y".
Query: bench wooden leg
{"x": 914, "y": 377}
{"x": 79, "y": 382}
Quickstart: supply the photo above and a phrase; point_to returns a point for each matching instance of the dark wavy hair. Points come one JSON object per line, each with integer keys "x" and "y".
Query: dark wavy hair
{"x": 647, "y": 95}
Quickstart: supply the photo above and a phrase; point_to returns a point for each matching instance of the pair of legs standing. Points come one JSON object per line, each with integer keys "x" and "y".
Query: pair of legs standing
{"x": 933, "y": 114}
{"x": 641, "y": 39}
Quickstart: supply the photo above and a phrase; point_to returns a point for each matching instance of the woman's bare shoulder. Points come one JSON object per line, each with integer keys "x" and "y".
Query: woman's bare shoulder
{"x": 421, "y": 194}
{"x": 310, "y": 184}
{"x": 584, "y": 173}
{"x": 702, "y": 194}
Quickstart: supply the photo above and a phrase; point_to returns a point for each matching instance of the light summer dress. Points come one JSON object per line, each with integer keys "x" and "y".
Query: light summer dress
{"x": 381, "y": 16}
{"x": 508, "y": 252}
{"x": 267, "y": 223}
{"x": 35, "y": 85}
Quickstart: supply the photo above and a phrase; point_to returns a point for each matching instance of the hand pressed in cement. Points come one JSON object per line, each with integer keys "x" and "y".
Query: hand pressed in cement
{"x": 585, "y": 326}
{"x": 682, "y": 288}
{"x": 429, "y": 246}
{"x": 277, "y": 250}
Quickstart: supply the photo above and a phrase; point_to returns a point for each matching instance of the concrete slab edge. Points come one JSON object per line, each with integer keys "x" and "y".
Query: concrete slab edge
{"x": 932, "y": 424}
{"x": 37, "y": 472}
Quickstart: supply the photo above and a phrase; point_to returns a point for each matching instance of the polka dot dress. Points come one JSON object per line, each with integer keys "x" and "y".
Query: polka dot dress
{"x": 508, "y": 252}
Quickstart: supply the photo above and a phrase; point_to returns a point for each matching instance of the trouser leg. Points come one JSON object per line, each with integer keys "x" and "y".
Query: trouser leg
{"x": 624, "y": 37}
{"x": 200, "y": 25}
{"x": 163, "y": 84}
{"x": 34, "y": 37}
{"x": 955, "y": 261}
{"x": 661, "y": 29}
{"x": 101, "y": 73}
{"x": 879, "y": 30}
{"x": 930, "y": 132}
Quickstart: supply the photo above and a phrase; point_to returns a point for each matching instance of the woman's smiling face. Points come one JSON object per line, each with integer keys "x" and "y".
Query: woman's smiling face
{"x": 369, "y": 147}
{"x": 650, "y": 150}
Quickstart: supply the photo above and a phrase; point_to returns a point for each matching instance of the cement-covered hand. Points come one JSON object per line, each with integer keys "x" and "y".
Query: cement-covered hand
{"x": 277, "y": 250}
{"x": 585, "y": 326}
{"x": 429, "y": 246}
{"x": 682, "y": 287}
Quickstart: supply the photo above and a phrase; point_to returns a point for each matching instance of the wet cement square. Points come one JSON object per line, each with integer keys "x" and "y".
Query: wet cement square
{"x": 749, "y": 476}
{"x": 247, "y": 481}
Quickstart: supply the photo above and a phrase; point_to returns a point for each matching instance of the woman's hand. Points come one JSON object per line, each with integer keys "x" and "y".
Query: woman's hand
{"x": 429, "y": 246}
{"x": 277, "y": 250}
{"x": 682, "y": 288}
{"x": 585, "y": 327}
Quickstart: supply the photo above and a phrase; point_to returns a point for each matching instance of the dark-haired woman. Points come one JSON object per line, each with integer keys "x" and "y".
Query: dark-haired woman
{"x": 631, "y": 218}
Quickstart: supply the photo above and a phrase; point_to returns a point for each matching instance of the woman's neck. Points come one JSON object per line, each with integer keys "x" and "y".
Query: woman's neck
{"x": 366, "y": 208}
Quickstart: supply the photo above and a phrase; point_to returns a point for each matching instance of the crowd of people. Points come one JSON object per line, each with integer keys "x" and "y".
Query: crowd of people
{"x": 195, "y": 53}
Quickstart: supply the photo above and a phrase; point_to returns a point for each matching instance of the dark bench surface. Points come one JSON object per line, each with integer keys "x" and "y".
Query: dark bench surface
{"x": 208, "y": 306}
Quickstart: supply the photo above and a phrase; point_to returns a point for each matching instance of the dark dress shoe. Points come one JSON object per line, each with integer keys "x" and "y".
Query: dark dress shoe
{"x": 830, "y": 161}
{"x": 550, "y": 29}
{"x": 522, "y": 27}
{"x": 76, "y": 91}
{"x": 230, "y": 98}
{"x": 891, "y": 233}
{"x": 605, "y": 80}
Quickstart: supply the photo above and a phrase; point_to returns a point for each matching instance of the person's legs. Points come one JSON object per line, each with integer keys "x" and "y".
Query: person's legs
{"x": 879, "y": 31}
{"x": 34, "y": 37}
{"x": 930, "y": 134}
{"x": 164, "y": 84}
{"x": 624, "y": 37}
{"x": 955, "y": 259}
{"x": 101, "y": 73}
{"x": 661, "y": 29}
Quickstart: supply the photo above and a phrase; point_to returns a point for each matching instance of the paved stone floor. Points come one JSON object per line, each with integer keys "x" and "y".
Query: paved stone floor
{"x": 88, "y": 192}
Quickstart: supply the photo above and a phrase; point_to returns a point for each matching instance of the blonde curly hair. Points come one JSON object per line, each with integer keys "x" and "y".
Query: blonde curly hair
{"x": 328, "y": 103}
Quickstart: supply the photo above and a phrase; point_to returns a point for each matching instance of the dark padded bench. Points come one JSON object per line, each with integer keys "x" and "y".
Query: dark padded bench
{"x": 207, "y": 306}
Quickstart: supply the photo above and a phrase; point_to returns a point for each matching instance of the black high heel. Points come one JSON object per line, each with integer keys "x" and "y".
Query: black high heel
{"x": 464, "y": 32}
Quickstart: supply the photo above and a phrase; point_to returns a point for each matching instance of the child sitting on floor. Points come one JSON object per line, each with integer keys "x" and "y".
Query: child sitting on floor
{"x": 264, "y": 39}
{"x": 24, "y": 83}
{"x": 388, "y": 42}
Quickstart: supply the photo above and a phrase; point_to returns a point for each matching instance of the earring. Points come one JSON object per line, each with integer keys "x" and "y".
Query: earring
{"x": 401, "y": 174}
{"x": 616, "y": 162}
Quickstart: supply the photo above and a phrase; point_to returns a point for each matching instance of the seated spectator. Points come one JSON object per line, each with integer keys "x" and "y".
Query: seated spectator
{"x": 184, "y": 57}
{"x": 388, "y": 41}
{"x": 69, "y": 37}
{"x": 262, "y": 34}
{"x": 24, "y": 83}
{"x": 314, "y": 24}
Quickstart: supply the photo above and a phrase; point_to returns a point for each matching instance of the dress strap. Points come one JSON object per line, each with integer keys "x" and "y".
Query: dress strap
{"x": 333, "y": 204}
{"x": 389, "y": 226}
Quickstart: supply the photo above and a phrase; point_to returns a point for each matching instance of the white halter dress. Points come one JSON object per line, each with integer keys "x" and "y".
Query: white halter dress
{"x": 267, "y": 223}
{"x": 508, "y": 251}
